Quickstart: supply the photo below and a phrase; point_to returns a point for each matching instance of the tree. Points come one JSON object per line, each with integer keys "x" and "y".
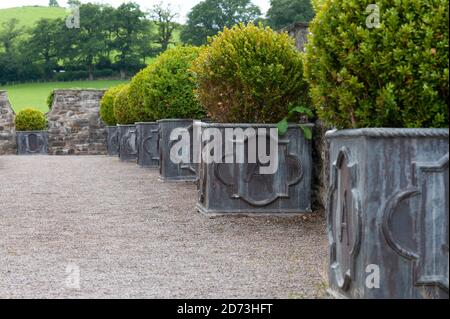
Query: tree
{"x": 209, "y": 17}
{"x": 90, "y": 37}
{"x": 129, "y": 24}
{"x": 73, "y": 3}
{"x": 164, "y": 17}
{"x": 9, "y": 32}
{"x": 53, "y": 3}
{"x": 43, "y": 43}
{"x": 286, "y": 12}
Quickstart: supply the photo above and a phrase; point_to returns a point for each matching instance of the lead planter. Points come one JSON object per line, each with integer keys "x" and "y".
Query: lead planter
{"x": 32, "y": 143}
{"x": 113, "y": 141}
{"x": 388, "y": 213}
{"x": 170, "y": 171}
{"x": 240, "y": 188}
{"x": 148, "y": 144}
{"x": 127, "y": 142}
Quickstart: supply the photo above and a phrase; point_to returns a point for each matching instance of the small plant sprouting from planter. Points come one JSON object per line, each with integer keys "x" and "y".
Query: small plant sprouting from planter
{"x": 32, "y": 137}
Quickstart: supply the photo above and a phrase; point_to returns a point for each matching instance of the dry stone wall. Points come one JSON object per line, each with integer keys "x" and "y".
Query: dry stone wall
{"x": 75, "y": 127}
{"x": 7, "y": 129}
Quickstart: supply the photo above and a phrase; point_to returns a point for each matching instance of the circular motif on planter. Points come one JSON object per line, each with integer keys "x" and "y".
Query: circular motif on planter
{"x": 245, "y": 182}
{"x": 344, "y": 221}
{"x": 429, "y": 207}
{"x": 114, "y": 140}
{"x": 34, "y": 143}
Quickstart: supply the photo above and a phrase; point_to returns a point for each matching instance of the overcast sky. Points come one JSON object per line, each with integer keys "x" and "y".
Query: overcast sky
{"x": 181, "y": 6}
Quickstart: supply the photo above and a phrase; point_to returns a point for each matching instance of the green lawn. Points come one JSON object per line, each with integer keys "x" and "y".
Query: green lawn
{"x": 28, "y": 16}
{"x": 35, "y": 94}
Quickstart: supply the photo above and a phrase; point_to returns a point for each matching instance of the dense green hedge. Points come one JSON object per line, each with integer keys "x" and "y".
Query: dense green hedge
{"x": 122, "y": 107}
{"x": 393, "y": 75}
{"x": 250, "y": 74}
{"x": 107, "y": 105}
{"x": 137, "y": 95}
{"x": 30, "y": 120}
{"x": 166, "y": 87}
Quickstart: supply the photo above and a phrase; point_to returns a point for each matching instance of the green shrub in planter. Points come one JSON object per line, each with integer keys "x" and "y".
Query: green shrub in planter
{"x": 384, "y": 76}
{"x": 137, "y": 94}
{"x": 122, "y": 107}
{"x": 394, "y": 74}
{"x": 250, "y": 74}
{"x": 30, "y": 120}
{"x": 168, "y": 86}
{"x": 107, "y": 105}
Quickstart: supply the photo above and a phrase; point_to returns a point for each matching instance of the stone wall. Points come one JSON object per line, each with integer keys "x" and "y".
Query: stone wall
{"x": 75, "y": 127}
{"x": 299, "y": 31}
{"x": 7, "y": 128}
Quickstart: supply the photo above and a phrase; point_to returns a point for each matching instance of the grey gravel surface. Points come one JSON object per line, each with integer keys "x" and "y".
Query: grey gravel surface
{"x": 133, "y": 236}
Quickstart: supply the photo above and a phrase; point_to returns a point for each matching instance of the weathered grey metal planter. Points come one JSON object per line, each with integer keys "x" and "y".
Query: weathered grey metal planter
{"x": 113, "y": 141}
{"x": 241, "y": 189}
{"x": 170, "y": 171}
{"x": 32, "y": 142}
{"x": 127, "y": 142}
{"x": 148, "y": 144}
{"x": 388, "y": 213}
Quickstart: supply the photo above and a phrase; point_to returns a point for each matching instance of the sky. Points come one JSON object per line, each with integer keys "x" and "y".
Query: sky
{"x": 181, "y": 6}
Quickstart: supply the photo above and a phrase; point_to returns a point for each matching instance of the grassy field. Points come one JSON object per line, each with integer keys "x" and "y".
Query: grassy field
{"x": 35, "y": 95}
{"x": 28, "y": 16}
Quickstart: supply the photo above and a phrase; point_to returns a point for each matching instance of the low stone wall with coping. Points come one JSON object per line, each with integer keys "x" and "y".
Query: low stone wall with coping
{"x": 74, "y": 123}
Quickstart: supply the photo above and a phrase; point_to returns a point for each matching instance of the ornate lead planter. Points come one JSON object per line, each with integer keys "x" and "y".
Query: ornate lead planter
{"x": 240, "y": 188}
{"x": 32, "y": 142}
{"x": 148, "y": 144}
{"x": 170, "y": 171}
{"x": 388, "y": 213}
{"x": 113, "y": 141}
{"x": 127, "y": 142}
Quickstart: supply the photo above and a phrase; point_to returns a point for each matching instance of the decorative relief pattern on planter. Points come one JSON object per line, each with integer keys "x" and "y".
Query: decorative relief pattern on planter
{"x": 128, "y": 143}
{"x": 226, "y": 188}
{"x": 431, "y": 236}
{"x": 113, "y": 141}
{"x": 344, "y": 220}
{"x": 170, "y": 171}
{"x": 32, "y": 143}
{"x": 148, "y": 144}
{"x": 392, "y": 184}
{"x": 7, "y": 127}
{"x": 75, "y": 127}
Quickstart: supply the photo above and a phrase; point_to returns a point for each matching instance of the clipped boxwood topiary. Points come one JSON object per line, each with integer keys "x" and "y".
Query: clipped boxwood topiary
{"x": 167, "y": 86}
{"x": 137, "y": 95}
{"x": 107, "y": 105}
{"x": 250, "y": 74}
{"x": 122, "y": 107}
{"x": 30, "y": 120}
{"x": 391, "y": 74}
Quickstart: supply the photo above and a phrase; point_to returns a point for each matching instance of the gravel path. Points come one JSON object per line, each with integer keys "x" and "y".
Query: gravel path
{"x": 131, "y": 236}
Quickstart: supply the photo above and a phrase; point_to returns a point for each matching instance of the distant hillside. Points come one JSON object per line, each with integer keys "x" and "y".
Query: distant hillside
{"x": 28, "y": 16}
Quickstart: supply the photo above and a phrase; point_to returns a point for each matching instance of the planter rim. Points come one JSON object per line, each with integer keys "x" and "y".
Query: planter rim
{"x": 257, "y": 125}
{"x": 111, "y": 126}
{"x": 145, "y": 123}
{"x": 389, "y": 132}
{"x": 174, "y": 120}
{"x": 126, "y": 125}
{"x": 28, "y": 132}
